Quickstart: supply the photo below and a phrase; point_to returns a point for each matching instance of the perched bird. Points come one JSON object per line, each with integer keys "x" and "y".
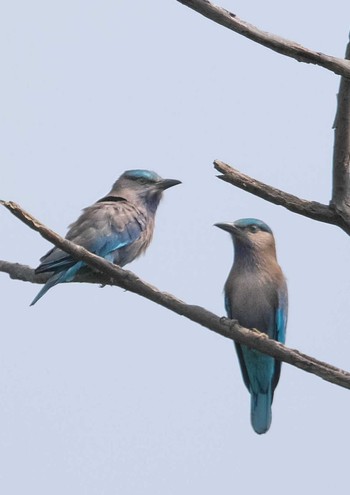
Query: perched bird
{"x": 256, "y": 295}
{"x": 118, "y": 227}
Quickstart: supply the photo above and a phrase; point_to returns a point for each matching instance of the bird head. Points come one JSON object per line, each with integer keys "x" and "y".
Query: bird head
{"x": 143, "y": 184}
{"x": 250, "y": 235}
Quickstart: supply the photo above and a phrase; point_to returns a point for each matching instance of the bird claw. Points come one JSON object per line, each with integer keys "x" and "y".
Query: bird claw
{"x": 262, "y": 335}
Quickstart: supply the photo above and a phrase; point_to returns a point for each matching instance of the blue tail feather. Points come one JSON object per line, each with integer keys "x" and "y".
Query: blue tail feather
{"x": 55, "y": 279}
{"x": 260, "y": 412}
{"x": 58, "y": 278}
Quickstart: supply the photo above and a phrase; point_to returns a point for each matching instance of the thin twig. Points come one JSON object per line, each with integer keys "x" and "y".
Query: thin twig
{"x": 311, "y": 209}
{"x": 341, "y": 152}
{"x": 223, "y": 326}
{"x": 276, "y": 43}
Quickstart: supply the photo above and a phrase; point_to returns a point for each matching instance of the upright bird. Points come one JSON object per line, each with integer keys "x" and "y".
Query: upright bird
{"x": 256, "y": 295}
{"x": 118, "y": 227}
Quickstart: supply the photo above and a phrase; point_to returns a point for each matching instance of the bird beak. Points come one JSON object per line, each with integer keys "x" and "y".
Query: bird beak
{"x": 166, "y": 183}
{"x": 228, "y": 227}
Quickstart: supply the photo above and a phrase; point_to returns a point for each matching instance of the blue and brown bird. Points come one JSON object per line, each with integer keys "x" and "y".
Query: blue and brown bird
{"x": 256, "y": 295}
{"x": 118, "y": 227}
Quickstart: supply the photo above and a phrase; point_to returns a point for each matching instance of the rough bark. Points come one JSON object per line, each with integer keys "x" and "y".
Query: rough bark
{"x": 277, "y": 43}
{"x": 106, "y": 272}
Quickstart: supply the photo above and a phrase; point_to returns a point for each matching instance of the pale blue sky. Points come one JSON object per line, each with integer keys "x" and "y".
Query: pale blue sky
{"x": 101, "y": 391}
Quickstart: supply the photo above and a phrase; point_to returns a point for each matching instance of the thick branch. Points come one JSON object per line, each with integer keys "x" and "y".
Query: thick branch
{"x": 311, "y": 209}
{"x": 223, "y": 326}
{"x": 276, "y": 43}
{"x": 341, "y": 153}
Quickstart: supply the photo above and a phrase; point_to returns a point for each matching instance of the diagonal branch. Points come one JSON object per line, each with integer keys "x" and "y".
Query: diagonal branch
{"x": 338, "y": 212}
{"x": 341, "y": 152}
{"x": 223, "y": 326}
{"x": 311, "y": 209}
{"x": 276, "y": 43}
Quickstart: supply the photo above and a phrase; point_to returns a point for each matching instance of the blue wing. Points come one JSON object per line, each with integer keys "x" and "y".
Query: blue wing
{"x": 281, "y": 316}
{"x": 227, "y": 306}
{"x": 260, "y": 372}
{"x": 267, "y": 372}
{"x": 103, "y": 229}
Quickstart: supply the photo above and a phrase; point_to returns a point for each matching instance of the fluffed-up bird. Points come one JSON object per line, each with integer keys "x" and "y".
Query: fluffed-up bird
{"x": 118, "y": 227}
{"x": 256, "y": 295}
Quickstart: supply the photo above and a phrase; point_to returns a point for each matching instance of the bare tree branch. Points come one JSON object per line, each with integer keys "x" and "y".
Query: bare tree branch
{"x": 223, "y": 326}
{"x": 310, "y": 209}
{"x": 276, "y": 43}
{"x": 338, "y": 212}
{"x": 341, "y": 153}
{"x": 25, "y": 273}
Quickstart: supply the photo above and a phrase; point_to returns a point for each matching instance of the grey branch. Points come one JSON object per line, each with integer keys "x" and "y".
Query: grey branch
{"x": 311, "y": 209}
{"x": 105, "y": 271}
{"x": 276, "y": 43}
{"x": 338, "y": 212}
{"x": 16, "y": 271}
{"x": 341, "y": 153}
{"x": 25, "y": 273}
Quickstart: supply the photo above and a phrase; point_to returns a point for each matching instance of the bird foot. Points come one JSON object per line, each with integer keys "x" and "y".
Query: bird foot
{"x": 262, "y": 335}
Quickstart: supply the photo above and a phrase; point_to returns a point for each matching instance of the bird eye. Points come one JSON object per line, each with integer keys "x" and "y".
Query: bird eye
{"x": 142, "y": 181}
{"x": 253, "y": 229}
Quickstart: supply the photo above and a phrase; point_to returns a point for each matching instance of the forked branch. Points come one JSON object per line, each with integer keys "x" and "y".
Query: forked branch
{"x": 338, "y": 212}
{"x": 311, "y": 209}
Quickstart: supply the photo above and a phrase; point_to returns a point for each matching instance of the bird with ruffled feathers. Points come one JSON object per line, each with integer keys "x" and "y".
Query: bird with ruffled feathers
{"x": 118, "y": 227}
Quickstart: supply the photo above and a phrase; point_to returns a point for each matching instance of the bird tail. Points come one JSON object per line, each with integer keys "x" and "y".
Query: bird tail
{"x": 260, "y": 412}
{"x": 55, "y": 279}
{"x": 58, "y": 278}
